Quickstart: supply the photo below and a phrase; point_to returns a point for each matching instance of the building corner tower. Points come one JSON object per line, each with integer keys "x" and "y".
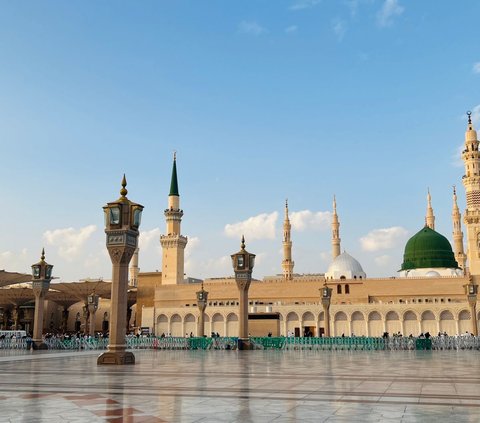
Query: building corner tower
{"x": 287, "y": 263}
{"x": 430, "y": 217}
{"x": 471, "y": 182}
{"x": 457, "y": 233}
{"x": 335, "y": 231}
{"x": 173, "y": 243}
{"x": 134, "y": 270}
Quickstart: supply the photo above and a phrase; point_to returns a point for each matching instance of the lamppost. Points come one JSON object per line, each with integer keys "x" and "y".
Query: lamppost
{"x": 92, "y": 304}
{"x": 42, "y": 275}
{"x": 326, "y": 293}
{"x": 122, "y": 220}
{"x": 472, "y": 291}
{"x": 202, "y": 298}
{"x": 243, "y": 263}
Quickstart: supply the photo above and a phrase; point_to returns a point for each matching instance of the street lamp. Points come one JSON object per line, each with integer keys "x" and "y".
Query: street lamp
{"x": 122, "y": 220}
{"x": 42, "y": 275}
{"x": 326, "y": 294}
{"x": 472, "y": 291}
{"x": 243, "y": 263}
{"x": 92, "y": 304}
{"x": 202, "y": 298}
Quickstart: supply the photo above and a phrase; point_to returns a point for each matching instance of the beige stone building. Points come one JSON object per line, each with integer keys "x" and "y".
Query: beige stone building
{"x": 429, "y": 293}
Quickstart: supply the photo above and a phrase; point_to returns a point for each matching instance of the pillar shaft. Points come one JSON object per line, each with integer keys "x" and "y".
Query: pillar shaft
{"x": 243, "y": 314}
{"x": 38, "y": 319}
{"x": 473, "y": 312}
{"x": 118, "y": 313}
{"x": 326, "y": 310}
{"x": 201, "y": 323}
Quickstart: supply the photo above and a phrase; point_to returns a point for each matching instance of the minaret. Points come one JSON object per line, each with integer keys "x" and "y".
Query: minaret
{"x": 430, "y": 217}
{"x": 335, "y": 231}
{"x": 287, "y": 263}
{"x": 134, "y": 269}
{"x": 457, "y": 233}
{"x": 471, "y": 182}
{"x": 173, "y": 243}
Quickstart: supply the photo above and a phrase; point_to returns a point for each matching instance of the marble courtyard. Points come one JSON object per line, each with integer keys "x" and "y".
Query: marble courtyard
{"x": 242, "y": 386}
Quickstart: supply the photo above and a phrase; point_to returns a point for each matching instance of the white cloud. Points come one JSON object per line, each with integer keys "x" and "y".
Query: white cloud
{"x": 290, "y": 29}
{"x": 476, "y": 67}
{"x": 256, "y": 227}
{"x": 326, "y": 256}
{"x": 381, "y": 239}
{"x": 192, "y": 245}
{"x": 15, "y": 262}
{"x": 69, "y": 241}
{"x": 251, "y": 28}
{"x": 388, "y": 11}
{"x": 306, "y": 219}
{"x": 146, "y": 238}
{"x": 339, "y": 28}
{"x": 383, "y": 261}
{"x": 457, "y": 157}
{"x": 303, "y": 4}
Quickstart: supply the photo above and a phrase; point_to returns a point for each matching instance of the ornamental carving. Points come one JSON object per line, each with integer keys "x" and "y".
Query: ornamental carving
{"x": 121, "y": 255}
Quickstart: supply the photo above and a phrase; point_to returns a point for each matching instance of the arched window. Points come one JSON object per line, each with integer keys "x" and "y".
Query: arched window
{"x": 347, "y": 289}
{"x": 339, "y": 289}
{"x": 342, "y": 278}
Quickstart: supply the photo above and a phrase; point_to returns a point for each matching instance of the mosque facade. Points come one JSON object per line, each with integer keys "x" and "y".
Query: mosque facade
{"x": 427, "y": 295}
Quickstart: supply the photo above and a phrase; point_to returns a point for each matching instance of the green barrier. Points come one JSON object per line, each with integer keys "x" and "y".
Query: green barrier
{"x": 423, "y": 344}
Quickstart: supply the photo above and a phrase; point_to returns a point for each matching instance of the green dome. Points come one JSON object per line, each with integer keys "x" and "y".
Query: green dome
{"x": 426, "y": 249}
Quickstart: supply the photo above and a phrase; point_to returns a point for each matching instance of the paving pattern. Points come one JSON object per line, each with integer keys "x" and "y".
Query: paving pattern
{"x": 242, "y": 386}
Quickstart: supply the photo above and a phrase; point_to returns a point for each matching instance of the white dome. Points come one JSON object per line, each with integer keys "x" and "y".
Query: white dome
{"x": 345, "y": 266}
{"x": 432, "y": 274}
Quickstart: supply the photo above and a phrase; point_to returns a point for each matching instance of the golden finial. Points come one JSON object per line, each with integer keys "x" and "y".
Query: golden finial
{"x": 202, "y": 286}
{"x": 469, "y": 114}
{"x": 123, "y": 191}
{"x": 454, "y": 190}
{"x": 43, "y": 254}
{"x": 242, "y": 245}
{"x": 286, "y": 203}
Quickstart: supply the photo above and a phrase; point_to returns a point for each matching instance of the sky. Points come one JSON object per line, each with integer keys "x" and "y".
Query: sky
{"x": 262, "y": 101}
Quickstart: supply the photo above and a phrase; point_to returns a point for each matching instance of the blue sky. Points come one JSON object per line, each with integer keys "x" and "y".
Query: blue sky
{"x": 262, "y": 100}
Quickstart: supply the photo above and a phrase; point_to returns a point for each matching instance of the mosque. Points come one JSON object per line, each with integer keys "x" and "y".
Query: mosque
{"x": 429, "y": 294}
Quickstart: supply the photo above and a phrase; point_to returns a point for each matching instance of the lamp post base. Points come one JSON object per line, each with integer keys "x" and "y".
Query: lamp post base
{"x": 244, "y": 344}
{"x": 39, "y": 345}
{"x": 116, "y": 358}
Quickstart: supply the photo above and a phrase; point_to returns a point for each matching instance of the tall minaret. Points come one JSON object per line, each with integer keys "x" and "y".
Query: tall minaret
{"x": 335, "y": 231}
{"x": 287, "y": 263}
{"x": 134, "y": 269}
{"x": 457, "y": 233}
{"x": 430, "y": 217}
{"x": 471, "y": 181}
{"x": 173, "y": 243}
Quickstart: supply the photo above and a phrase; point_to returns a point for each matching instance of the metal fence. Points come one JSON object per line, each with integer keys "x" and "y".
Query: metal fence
{"x": 277, "y": 343}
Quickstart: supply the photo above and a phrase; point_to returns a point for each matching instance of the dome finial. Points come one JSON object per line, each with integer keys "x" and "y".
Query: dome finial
{"x": 242, "y": 245}
{"x": 469, "y": 116}
{"x": 123, "y": 191}
{"x": 454, "y": 190}
{"x": 174, "y": 155}
{"x": 42, "y": 257}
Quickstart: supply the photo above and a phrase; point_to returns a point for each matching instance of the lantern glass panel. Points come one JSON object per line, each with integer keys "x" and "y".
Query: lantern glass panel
{"x": 115, "y": 216}
{"x": 36, "y": 271}
{"x": 137, "y": 217}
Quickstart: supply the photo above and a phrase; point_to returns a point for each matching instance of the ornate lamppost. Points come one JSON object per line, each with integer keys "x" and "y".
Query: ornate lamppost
{"x": 122, "y": 220}
{"x": 472, "y": 291}
{"x": 243, "y": 263}
{"x": 92, "y": 304}
{"x": 42, "y": 275}
{"x": 326, "y": 293}
{"x": 202, "y": 298}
